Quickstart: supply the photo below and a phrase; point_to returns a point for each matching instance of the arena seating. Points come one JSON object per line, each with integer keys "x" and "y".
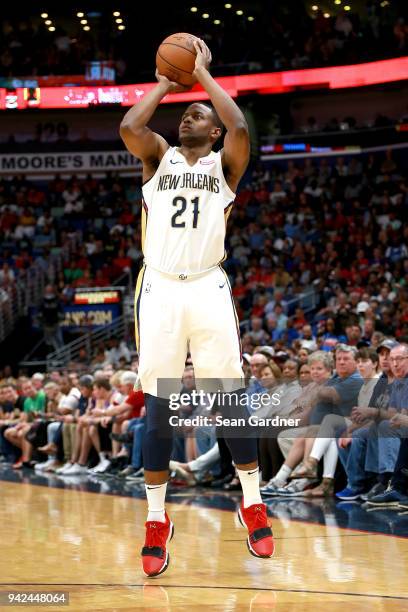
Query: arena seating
{"x": 315, "y": 38}
{"x": 317, "y": 260}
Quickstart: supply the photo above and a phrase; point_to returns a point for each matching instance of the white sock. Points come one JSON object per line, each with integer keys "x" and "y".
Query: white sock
{"x": 156, "y": 495}
{"x": 281, "y": 478}
{"x": 101, "y": 456}
{"x": 249, "y": 480}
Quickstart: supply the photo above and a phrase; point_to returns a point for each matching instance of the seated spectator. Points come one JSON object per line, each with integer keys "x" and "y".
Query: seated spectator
{"x": 257, "y": 362}
{"x": 367, "y": 366}
{"x": 304, "y": 374}
{"x": 283, "y": 396}
{"x": 396, "y": 492}
{"x": 95, "y": 435}
{"x": 11, "y": 406}
{"x": 256, "y": 332}
{"x": 292, "y": 442}
{"x": 393, "y": 426}
{"x": 367, "y": 472}
{"x": 54, "y": 397}
{"x": 116, "y": 417}
{"x": 340, "y": 394}
{"x": 74, "y": 428}
{"x": 33, "y": 407}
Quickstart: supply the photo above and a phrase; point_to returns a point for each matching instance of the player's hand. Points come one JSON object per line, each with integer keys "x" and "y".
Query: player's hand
{"x": 204, "y": 57}
{"x": 171, "y": 86}
{"x": 106, "y": 421}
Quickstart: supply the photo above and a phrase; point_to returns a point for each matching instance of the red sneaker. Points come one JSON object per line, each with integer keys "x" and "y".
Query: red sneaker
{"x": 260, "y": 538}
{"x": 155, "y": 556}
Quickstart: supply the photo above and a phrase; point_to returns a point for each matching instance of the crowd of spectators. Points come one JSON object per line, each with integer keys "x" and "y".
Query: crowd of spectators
{"x": 280, "y": 42}
{"x": 343, "y": 38}
{"x": 318, "y": 263}
{"x": 336, "y": 229}
{"x": 349, "y": 403}
{"x": 348, "y": 123}
{"x": 28, "y": 48}
{"x": 98, "y": 218}
{"x": 320, "y": 243}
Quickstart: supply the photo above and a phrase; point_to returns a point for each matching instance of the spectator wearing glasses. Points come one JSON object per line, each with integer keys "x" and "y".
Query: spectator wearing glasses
{"x": 359, "y": 448}
{"x": 395, "y": 426}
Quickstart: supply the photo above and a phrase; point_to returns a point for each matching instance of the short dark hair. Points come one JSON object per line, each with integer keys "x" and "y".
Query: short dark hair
{"x": 86, "y": 381}
{"x": 217, "y": 121}
{"x": 367, "y": 353}
{"x": 295, "y": 361}
{"x": 215, "y": 117}
{"x": 103, "y": 383}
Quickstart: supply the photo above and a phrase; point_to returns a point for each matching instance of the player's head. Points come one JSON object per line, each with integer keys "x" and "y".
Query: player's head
{"x": 199, "y": 125}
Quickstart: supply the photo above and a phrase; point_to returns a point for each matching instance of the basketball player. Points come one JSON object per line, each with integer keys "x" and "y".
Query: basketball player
{"x": 183, "y": 297}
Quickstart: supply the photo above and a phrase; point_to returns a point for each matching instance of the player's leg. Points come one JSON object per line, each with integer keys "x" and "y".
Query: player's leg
{"x": 161, "y": 338}
{"x": 216, "y": 353}
{"x": 157, "y": 446}
{"x": 162, "y": 346}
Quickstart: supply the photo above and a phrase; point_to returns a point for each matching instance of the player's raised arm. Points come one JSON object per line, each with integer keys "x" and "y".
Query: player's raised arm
{"x": 141, "y": 141}
{"x": 236, "y": 142}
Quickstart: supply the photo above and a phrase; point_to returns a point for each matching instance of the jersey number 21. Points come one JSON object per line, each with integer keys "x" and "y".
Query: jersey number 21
{"x": 181, "y": 205}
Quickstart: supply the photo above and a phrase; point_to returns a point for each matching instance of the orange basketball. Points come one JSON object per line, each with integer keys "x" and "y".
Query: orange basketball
{"x": 175, "y": 58}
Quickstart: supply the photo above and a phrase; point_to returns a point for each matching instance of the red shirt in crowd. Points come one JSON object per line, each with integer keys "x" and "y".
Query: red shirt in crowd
{"x": 122, "y": 262}
{"x": 136, "y": 400}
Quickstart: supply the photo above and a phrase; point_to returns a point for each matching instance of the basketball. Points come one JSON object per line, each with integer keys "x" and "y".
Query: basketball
{"x": 175, "y": 58}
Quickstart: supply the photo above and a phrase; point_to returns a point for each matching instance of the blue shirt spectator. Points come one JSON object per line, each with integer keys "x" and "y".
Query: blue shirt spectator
{"x": 345, "y": 385}
{"x": 399, "y": 394}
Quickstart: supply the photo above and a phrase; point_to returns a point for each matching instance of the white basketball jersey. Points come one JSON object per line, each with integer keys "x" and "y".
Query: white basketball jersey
{"x": 184, "y": 214}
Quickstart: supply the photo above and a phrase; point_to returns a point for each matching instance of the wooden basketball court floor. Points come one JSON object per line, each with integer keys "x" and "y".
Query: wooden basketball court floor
{"x": 88, "y": 544}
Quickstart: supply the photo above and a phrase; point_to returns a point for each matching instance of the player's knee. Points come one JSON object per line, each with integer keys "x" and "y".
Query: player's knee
{"x": 228, "y": 371}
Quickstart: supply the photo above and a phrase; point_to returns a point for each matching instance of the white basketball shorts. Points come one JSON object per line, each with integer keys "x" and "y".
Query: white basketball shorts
{"x": 174, "y": 315}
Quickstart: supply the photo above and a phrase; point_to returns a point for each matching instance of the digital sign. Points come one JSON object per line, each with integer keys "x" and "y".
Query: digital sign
{"x": 92, "y": 308}
{"x": 97, "y": 297}
{"x": 334, "y": 77}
